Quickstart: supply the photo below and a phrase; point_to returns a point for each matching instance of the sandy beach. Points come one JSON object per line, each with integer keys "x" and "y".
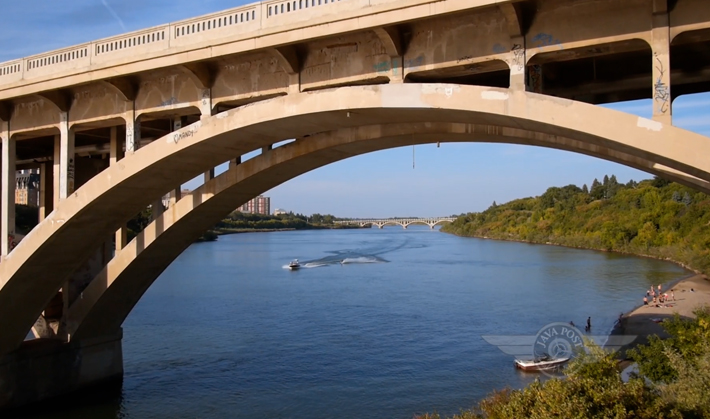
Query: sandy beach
{"x": 690, "y": 293}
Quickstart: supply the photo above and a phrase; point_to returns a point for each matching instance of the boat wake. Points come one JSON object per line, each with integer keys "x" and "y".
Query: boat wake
{"x": 339, "y": 260}
{"x": 365, "y": 255}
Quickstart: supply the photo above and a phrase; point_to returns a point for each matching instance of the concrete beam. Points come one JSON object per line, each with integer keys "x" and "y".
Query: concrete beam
{"x": 7, "y": 201}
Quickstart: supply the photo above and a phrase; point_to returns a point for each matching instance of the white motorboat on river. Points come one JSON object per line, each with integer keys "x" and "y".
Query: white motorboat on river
{"x": 544, "y": 362}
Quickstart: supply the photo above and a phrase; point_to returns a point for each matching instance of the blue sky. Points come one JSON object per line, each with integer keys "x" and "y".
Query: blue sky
{"x": 452, "y": 179}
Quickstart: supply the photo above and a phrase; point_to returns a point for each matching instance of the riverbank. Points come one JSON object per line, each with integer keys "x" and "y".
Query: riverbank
{"x": 645, "y": 320}
{"x": 226, "y": 231}
{"x": 596, "y": 249}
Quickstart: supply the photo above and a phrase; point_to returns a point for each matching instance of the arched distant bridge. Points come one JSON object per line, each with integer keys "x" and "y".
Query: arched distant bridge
{"x": 404, "y": 222}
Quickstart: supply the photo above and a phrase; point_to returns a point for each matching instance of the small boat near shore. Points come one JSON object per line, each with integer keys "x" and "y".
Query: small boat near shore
{"x": 544, "y": 362}
{"x": 295, "y": 264}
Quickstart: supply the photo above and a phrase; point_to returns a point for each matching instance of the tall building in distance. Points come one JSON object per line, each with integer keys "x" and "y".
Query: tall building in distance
{"x": 259, "y": 205}
{"x": 27, "y": 187}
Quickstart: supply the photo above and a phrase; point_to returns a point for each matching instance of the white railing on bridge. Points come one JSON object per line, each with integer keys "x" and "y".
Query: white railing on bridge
{"x": 229, "y": 25}
{"x": 404, "y": 222}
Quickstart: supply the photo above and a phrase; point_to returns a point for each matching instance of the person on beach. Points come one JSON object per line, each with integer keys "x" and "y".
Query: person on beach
{"x": 645, "y": 301}
{"x": 672, "y": 295}
{"x": 659, "y": 289}
{"x": 589, "y": 324}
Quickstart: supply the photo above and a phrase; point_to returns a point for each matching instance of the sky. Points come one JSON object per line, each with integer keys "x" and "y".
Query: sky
{"x": 452, "y": 179}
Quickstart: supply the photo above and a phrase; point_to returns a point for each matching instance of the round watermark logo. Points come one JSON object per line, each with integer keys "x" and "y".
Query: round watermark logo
{"x": 555, "y": 344}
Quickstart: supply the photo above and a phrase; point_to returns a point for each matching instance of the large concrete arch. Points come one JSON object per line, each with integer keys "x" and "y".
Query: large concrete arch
{"x": 110, "y": 297}
{"x": 83, "y": 220}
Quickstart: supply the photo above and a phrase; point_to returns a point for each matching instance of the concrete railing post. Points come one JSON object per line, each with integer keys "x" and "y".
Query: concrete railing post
{"x": 660, "y": 45}
{"x": 8, "y": 188}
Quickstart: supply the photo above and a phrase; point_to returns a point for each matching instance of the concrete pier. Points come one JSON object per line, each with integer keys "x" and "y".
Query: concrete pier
{"x": 43, "y": 369}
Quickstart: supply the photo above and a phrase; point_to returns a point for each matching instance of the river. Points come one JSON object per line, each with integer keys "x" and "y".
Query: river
{"x": 227, "y": 332}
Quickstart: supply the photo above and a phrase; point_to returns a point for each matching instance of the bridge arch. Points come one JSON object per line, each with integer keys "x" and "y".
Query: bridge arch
{"x": 117, "y": 193}
{"x": 110, "y": 297}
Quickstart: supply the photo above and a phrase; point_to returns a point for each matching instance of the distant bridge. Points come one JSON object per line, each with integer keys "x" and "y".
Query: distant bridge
{"x": 404, "y": 222}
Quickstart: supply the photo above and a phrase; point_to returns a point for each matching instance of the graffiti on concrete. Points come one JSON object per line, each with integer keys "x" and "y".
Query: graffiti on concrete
{"x": 169, "y": 102}
{"x": 535, "y": 83}
{"x": 381, "y": 67}
{"x": 414, "y": 62}
{"x": 545, "y": 40}
{"x": 518, "y": 56}
{"x": 498, "y": 48}
{"x": 661, "y": 91}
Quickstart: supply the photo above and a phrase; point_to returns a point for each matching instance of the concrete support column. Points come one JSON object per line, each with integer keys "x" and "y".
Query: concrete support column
{"x": 294, "y": 83}
{"x": 116, "y": 154}
{"x": 133, "y": 131}
{"x": 660, "y": 44}
{"x": 66, "y": 157}
{"x": 206, "y": 109}
{"x": 46, "y": 190}
{"x": 157, "y": 209}
{"x": 175, "y": 196}
{"x": 235, "y": 162}
{"x": 7, "y": 204}
{"x": 206, "y": 103}
{"x": 518, "y": 63}
{"x": 396, "y": 69}
{"x": 55, "y": 171}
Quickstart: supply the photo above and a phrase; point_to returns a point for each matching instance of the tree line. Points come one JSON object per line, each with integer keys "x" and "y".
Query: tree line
{"x": 652, "y": 218}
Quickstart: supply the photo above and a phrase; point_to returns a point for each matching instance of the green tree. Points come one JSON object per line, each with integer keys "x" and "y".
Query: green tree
{"x": 687, "y": 200}
{"x": 687, "y": 337}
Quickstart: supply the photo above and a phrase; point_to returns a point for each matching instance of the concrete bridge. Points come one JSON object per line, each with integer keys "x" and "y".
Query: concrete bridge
{"x": 404, "y": 222}
{"x": 114, "y": 125}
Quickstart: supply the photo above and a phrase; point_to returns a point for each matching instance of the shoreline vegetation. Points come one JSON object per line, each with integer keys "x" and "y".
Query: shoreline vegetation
{"x": 653, "y": 218}
{"x": 238, "y": 223}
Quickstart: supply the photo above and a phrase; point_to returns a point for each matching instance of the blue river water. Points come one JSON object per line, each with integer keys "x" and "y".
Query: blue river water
{"x": 394, "y": 331}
